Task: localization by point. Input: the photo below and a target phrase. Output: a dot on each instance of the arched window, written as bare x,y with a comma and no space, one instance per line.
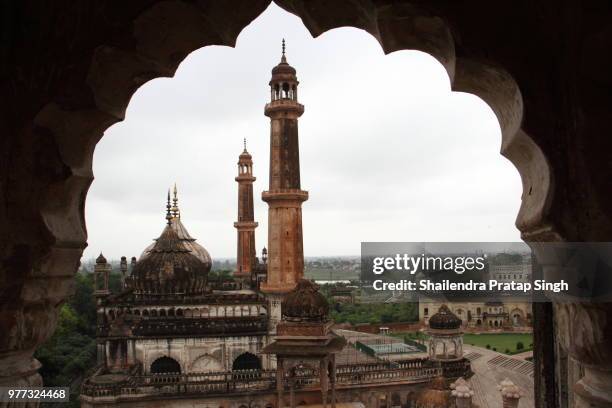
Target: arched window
247,361
165,365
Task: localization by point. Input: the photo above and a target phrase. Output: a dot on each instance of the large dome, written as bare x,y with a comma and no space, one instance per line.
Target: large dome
187,241
173,265
305,304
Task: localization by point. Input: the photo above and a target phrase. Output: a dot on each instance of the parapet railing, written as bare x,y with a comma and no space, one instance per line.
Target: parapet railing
248,381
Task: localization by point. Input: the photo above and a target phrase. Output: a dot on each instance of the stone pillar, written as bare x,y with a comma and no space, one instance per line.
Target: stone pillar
107,354
584,329
280,376
462,393
592,352
130,352
510,393
332,379
323,380
292,390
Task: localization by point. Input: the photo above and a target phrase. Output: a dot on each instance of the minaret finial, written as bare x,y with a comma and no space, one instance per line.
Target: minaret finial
168,209
175,210
244,141
283,58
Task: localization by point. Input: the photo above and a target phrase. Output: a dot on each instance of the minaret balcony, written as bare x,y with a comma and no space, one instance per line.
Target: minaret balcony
287,105
247,225
245,177
293,195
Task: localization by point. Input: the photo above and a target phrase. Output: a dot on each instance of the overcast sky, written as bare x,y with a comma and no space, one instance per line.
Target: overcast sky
387,152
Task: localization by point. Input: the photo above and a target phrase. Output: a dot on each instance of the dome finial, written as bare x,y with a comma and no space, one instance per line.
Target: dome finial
283,58
168,209
244,141
175,209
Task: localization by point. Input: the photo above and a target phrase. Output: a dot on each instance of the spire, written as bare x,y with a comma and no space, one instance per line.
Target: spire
283,58
168,209
175,210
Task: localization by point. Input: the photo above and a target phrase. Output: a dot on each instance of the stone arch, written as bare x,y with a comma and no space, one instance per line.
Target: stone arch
396,400
246,361
161,35
165,365
517,316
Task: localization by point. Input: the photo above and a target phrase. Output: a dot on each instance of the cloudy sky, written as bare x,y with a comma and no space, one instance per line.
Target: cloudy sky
387,152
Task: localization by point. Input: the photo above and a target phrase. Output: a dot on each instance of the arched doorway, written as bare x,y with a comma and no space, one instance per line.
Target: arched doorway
165,365
246,361
517,317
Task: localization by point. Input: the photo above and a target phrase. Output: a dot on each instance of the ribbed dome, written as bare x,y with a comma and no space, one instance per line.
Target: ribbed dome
305,303
187,241
173,264
444,319
283,68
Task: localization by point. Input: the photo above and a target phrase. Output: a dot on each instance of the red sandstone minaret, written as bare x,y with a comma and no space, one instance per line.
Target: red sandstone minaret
284,197
245,259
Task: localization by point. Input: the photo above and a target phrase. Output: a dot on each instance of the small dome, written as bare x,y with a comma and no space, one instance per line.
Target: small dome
283,68
305,304
100,259
444,319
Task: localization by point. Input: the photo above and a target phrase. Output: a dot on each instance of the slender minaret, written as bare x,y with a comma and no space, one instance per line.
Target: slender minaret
245,226
284,197
123,267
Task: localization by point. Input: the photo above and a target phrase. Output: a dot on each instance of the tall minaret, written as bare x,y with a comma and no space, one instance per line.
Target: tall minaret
284,197
245,259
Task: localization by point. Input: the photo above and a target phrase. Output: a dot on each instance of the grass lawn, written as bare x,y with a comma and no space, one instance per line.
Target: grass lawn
500,341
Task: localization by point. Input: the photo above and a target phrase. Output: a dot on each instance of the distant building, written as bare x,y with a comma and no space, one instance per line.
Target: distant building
484,315
508,273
